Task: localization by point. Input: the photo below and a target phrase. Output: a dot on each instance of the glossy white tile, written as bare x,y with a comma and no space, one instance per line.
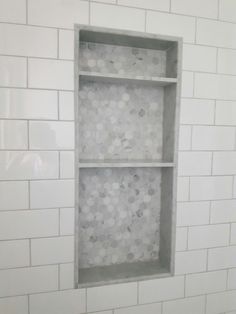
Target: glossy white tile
20,165
51,135
13,71
28,104
14,134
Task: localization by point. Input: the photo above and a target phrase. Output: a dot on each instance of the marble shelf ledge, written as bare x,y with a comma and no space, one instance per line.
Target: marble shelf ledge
124,163
116,78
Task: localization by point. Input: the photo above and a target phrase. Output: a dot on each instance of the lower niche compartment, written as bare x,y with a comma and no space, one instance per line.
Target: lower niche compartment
124,224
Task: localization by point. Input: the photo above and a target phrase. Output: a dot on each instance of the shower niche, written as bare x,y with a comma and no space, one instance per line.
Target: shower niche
127,111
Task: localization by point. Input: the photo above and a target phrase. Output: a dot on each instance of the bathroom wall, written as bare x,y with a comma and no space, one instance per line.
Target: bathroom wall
36,158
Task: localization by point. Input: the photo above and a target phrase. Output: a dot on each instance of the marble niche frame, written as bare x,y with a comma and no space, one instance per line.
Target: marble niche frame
171,84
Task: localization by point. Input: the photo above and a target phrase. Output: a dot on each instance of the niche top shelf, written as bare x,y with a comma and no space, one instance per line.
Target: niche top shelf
123,163
116,78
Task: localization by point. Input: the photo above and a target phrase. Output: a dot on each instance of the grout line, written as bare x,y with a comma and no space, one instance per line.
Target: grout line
89,12
86,300
205,304
210,211
26,13
218,10
28,136
28,303
30,253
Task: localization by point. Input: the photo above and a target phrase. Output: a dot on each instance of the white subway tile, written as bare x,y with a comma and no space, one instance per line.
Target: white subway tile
154,308
225,112
13,11
233,234
14,305
60,302
51,135
67,221
213,138
14,195
66,105
224,163
226,61
162,5
231,284
183,189
28,280
205,283
14,254
197,111
201,237
193,213
28,224
215,86
190,262
108,297
22,40
111,16
14,134
223,211
181,239
67,167
13,71
66,44
185,133
200,8
227,9
52,193
199,58
216,33
66,276
28,104
26,165
171,24
194,163
210,188
188,305
221,258
221,302
52,250
57,13
161,289
187,84
51,74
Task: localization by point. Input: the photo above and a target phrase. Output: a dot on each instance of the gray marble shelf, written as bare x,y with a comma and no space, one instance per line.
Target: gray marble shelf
124,164
116,78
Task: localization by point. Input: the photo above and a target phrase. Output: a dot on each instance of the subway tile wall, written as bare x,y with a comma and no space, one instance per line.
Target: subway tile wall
37,158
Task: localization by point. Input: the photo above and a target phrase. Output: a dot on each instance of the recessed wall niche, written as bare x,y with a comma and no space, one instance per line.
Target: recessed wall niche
127,111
